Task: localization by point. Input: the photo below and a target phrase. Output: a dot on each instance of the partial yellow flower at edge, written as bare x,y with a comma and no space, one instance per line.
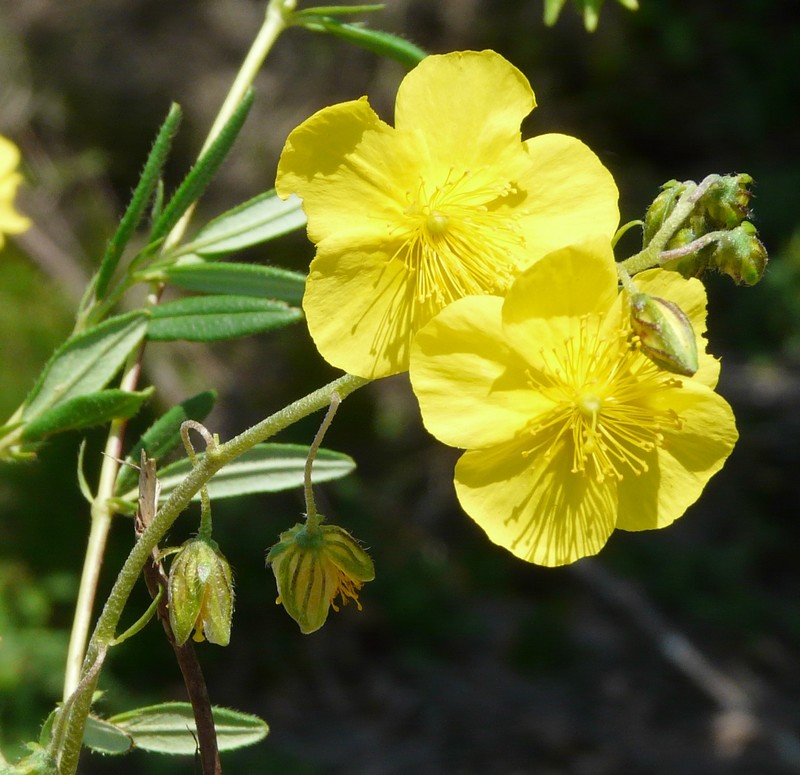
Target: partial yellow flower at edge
450,202
569,430
11,222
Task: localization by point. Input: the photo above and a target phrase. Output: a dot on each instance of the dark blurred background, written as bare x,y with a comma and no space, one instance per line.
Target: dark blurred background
674,651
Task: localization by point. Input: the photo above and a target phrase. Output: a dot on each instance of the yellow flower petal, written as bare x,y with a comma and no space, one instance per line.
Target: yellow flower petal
448,204
569,195
11,222
467,107
535,507
358,305
351,170
686,460
464,344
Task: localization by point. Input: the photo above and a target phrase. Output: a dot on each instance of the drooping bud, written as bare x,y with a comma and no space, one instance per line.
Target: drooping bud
200,593
312,565
727,203
741,255
665,334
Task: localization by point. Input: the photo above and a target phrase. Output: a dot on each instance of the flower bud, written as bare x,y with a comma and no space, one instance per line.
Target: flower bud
665,334
661,208
313,564
200,593
691,265
727,203
741,255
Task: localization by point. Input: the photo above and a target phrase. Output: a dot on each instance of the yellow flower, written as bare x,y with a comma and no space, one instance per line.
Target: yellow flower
570,430
11,222
449,202
313,564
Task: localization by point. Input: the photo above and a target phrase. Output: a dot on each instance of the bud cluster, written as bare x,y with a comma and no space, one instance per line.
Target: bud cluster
723,209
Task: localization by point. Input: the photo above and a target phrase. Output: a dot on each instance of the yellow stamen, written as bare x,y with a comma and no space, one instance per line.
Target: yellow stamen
601,391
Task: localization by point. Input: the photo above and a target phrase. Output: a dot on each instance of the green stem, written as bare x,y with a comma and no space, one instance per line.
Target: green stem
650,256
312,521
275,22
205,502
102,513
67,745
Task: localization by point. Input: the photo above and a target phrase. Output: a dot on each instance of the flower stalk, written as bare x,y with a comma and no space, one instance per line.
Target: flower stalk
67,745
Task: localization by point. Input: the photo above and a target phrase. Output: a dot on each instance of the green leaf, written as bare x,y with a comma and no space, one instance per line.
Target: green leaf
589,8
382,43
339,10
213,318
264,468
260,219
198,178
264,282
552,10
164,435
170,728
104,737
139,201
85,411
85,363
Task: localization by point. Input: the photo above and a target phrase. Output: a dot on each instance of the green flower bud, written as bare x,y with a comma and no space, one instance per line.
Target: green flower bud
660,209
200,593
692,265
313,564
727,203
665,334
741,255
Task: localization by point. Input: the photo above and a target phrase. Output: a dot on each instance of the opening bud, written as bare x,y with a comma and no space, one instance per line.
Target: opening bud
741,255
200,593
665,334
313,564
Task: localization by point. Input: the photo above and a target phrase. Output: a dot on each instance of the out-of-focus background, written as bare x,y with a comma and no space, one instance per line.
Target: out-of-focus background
674,651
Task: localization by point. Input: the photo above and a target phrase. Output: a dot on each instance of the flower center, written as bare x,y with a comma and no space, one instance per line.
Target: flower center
457,239
603,414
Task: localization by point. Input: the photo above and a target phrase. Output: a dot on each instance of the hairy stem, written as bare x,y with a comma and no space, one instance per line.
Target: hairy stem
102,514
67,746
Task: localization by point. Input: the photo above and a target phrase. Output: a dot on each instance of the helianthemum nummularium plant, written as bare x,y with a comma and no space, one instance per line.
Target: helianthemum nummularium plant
450,202
570,430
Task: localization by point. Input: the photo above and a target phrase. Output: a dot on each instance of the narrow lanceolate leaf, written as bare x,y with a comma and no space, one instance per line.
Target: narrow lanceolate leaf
104,737
164,435
264,282
170,728
198,178
85,411
382,43
262,218
213,318
264,468
139,201
85,363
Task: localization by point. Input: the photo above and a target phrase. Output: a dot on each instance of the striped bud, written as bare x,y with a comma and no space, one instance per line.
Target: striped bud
665,334
313,564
